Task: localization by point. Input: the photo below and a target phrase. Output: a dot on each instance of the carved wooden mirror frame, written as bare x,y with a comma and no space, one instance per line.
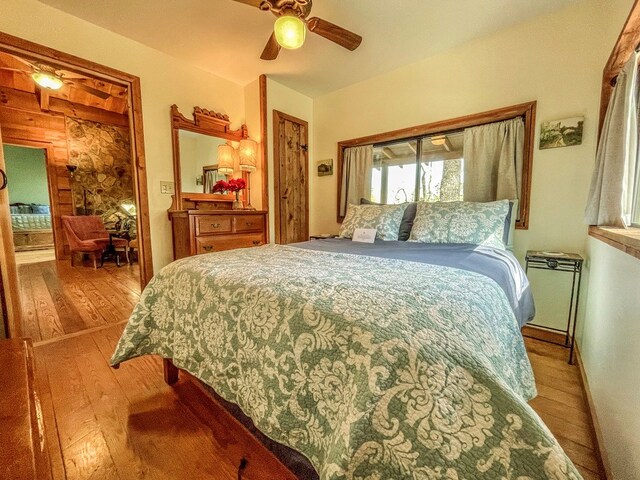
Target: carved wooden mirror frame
205,122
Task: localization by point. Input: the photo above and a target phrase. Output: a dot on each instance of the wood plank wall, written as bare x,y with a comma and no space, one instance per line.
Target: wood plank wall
24,122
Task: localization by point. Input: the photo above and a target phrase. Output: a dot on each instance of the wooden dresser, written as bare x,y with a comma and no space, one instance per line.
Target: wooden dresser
207,231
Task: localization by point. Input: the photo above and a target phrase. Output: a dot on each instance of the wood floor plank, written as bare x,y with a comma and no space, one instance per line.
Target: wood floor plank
65,306
31,327
74,415
48,319
49,419
59,299
111,409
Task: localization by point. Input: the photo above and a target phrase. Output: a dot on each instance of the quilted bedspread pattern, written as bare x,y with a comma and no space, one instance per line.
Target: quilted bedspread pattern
30,221
373,368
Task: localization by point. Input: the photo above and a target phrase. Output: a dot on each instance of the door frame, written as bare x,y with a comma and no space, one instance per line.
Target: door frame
53,186
9,287
36,52
277,117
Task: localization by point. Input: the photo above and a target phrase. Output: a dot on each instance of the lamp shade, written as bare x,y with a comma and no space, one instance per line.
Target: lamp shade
226,157
248,152
290,31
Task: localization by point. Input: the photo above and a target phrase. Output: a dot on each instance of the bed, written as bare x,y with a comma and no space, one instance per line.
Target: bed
385,361
31,226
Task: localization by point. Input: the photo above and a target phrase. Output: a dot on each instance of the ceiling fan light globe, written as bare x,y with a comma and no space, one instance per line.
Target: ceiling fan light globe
47,80
290,32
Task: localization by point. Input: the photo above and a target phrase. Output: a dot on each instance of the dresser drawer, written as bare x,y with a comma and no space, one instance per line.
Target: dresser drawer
249,223
213,224
218,243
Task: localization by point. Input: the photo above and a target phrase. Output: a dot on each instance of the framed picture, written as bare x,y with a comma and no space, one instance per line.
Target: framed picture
325,167
561,133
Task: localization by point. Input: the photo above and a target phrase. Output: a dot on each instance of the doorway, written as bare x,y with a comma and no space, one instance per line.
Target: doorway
291,179
96,115
29,203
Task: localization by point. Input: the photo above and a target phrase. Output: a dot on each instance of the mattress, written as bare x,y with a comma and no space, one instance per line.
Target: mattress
30,221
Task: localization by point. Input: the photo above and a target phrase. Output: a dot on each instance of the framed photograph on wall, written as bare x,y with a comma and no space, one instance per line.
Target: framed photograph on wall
325,167
561,133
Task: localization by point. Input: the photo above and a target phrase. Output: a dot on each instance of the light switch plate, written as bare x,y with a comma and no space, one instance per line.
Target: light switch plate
167,187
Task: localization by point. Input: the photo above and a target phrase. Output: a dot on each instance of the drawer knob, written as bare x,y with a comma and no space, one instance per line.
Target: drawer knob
256,242
249,224
215,225
208,248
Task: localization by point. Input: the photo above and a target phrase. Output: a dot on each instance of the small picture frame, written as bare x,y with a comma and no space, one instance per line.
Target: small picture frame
325,167
561,133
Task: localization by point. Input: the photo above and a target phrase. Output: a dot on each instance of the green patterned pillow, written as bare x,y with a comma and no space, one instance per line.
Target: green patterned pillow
385,218
461,222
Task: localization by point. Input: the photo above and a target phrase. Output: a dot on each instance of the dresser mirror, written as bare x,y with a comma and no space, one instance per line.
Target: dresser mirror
195,157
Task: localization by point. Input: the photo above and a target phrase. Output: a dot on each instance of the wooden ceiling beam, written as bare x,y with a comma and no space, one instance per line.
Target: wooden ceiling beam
43,99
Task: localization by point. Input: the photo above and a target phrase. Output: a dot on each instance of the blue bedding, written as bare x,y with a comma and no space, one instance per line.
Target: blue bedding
499,265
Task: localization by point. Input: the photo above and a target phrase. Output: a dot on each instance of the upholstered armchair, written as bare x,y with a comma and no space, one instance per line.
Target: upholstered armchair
87,234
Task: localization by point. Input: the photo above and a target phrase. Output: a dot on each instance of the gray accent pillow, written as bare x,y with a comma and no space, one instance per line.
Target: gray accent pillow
14,209
41,209
385,219
461,222
407,219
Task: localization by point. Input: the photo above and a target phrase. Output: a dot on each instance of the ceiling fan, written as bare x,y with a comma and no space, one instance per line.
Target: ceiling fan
50,78
291,26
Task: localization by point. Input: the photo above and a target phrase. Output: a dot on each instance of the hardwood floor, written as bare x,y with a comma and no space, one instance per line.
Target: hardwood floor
128,424
562,406
35,256
58,299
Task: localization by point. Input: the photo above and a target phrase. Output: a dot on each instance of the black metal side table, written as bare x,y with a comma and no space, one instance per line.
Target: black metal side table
561,262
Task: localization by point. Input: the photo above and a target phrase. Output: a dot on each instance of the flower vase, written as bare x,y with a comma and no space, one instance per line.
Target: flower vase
237,204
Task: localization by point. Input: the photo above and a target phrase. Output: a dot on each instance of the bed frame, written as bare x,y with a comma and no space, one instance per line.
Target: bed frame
25,240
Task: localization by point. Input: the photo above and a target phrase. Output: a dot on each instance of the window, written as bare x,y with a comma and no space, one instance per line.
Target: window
428,169
426,162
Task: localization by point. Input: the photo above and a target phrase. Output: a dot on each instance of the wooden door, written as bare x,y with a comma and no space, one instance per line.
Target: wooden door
9,291
291,179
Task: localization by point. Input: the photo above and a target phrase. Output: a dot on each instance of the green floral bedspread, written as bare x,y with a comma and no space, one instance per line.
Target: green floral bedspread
374,368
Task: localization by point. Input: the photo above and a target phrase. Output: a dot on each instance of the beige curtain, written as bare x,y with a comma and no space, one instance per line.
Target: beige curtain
610,196
493,157
356,176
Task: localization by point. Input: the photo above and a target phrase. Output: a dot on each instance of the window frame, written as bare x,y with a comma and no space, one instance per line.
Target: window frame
525,110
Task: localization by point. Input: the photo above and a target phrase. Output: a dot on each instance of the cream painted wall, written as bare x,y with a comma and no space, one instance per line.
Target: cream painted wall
610,350
555,59
252,114
164,80
288,101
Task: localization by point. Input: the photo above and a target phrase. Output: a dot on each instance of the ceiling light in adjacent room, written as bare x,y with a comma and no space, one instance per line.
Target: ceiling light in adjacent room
290,31
47,80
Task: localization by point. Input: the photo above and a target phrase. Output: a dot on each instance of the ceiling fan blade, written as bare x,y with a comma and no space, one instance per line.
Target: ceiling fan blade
253,3
336,34
272,49
90,90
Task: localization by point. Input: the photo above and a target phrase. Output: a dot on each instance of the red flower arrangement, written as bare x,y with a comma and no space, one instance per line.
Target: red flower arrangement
233,185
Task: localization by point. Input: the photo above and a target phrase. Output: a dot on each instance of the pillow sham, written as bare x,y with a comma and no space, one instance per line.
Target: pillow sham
40,209
407,219
385,219
461,222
